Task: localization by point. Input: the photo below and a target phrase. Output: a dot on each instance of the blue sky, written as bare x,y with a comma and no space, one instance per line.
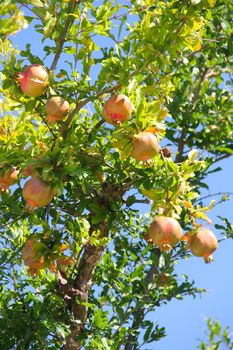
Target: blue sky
185,320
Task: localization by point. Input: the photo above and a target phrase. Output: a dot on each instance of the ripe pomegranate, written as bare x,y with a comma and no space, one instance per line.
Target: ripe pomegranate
33,81
9,178
37,193
117,109
203,244
145,146
165,232
33,255
56,108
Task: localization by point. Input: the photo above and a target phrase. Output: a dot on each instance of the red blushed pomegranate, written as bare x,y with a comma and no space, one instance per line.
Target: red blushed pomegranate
117,109
56,108
33,81
145,146
165,232
10,177
203,244
37,193
33,255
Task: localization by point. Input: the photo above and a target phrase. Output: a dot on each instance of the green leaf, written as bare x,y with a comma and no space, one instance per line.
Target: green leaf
192,155
212,2
100,319
49,27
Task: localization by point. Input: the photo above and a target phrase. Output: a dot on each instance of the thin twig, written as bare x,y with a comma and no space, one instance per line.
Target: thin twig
31,10
224,156
215,194
51,130
62,40
182,139
96,127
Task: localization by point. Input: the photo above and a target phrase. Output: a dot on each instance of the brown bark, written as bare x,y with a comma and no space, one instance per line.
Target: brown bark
139,314
79,292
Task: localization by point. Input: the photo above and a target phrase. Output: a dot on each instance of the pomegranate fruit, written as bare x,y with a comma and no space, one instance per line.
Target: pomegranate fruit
117,109
37,193
203,244
33,81
56,108
165,232
145,146
33,255
10,177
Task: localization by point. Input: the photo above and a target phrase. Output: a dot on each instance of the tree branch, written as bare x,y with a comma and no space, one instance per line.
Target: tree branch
61,42
215,194
181,145
83,281
182,139
91,256
224,156
196,95
139,314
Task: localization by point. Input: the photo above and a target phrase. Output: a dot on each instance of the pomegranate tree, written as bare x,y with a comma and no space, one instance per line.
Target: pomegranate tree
145,146
203,244
165,232
37,193
117,109
33,81
56,108
10,177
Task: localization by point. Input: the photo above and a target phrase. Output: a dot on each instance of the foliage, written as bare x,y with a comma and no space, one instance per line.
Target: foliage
217,337
100,278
